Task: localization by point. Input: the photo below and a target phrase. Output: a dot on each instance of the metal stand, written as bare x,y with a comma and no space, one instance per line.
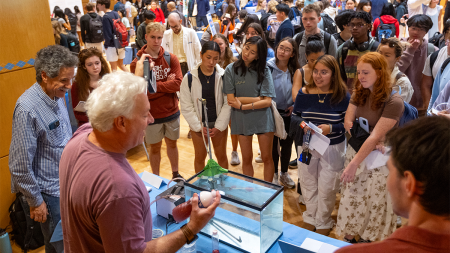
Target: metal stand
203,101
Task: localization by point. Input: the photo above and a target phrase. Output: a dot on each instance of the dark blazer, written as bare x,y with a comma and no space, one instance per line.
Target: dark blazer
286,29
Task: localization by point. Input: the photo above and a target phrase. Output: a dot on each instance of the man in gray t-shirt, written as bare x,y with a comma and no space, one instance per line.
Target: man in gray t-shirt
311,18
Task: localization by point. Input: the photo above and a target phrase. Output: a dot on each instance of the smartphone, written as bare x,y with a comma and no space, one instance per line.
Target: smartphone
364,124
146,70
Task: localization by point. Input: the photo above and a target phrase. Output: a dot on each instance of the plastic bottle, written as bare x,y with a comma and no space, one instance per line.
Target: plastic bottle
183,211
215,241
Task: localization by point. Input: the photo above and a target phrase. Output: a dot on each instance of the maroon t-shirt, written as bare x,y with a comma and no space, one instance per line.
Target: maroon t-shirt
405,239
105,206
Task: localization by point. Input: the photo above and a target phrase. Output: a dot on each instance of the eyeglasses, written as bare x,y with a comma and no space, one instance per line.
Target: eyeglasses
387,42
320,73
359,25
285,49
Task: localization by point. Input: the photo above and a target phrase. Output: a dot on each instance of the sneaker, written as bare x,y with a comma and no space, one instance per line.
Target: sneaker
301,200
189,136
275,179
235,158
293,164
286,180
258,159
176,174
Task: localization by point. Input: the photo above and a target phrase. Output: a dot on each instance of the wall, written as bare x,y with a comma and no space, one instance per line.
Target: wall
21,37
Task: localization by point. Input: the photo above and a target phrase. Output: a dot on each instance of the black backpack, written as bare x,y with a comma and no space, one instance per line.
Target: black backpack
95,29
326,40
26,232
437,40
74,44
329,25
73,20
264,18
385,31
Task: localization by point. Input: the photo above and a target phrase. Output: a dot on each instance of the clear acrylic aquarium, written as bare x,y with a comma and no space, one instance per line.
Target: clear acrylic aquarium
250,214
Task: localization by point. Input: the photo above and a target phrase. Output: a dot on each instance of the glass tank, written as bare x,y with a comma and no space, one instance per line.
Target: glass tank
250,214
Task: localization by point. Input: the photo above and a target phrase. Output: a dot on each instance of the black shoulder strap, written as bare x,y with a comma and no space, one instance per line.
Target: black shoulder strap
345,50
299,38
433,59
302,71
167,57
271,69
326,40
189,80
444,65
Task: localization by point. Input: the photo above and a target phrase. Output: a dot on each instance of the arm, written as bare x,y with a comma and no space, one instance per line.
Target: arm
406,58
425,87
67,26
350,117
107,29
416,3
339,56
197,47
263,103
435,90
440,20
187,106
249,100
162,16
224,116
140,38
297,84
83,31
407,88
21,156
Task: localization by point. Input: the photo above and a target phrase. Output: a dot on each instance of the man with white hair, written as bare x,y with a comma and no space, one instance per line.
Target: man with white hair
40,131
182,42
105,206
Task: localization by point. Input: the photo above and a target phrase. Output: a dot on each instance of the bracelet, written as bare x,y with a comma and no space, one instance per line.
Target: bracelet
331,128
241,107
190,236
253,108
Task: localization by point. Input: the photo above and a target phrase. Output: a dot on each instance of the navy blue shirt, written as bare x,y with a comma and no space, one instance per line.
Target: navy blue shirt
286,29
108,28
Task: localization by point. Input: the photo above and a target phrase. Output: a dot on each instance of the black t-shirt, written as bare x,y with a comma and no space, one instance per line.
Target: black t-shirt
208,93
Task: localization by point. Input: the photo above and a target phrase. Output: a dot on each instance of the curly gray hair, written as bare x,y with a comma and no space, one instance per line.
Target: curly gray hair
51,59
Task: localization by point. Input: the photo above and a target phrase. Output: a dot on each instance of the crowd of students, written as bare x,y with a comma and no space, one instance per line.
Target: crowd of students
287,72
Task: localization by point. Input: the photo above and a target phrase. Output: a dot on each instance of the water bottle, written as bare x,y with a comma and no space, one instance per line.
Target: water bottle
215,241
5,245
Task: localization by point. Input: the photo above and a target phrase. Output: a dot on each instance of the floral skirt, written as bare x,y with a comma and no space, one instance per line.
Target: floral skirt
365,208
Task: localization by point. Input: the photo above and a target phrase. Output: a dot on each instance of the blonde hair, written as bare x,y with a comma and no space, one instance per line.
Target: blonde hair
312,8
272,6
58,30
259,5
155,26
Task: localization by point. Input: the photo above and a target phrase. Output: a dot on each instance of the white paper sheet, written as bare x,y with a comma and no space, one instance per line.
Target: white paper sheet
376,159
80,107
311,245
327,248
152,179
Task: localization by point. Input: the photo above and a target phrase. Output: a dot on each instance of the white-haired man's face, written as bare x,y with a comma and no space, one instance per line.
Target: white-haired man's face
135,127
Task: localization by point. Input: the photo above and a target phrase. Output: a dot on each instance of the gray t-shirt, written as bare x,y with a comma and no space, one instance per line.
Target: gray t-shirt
332,48
249,122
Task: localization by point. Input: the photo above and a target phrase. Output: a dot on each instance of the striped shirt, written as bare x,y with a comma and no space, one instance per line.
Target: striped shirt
41,128
311,110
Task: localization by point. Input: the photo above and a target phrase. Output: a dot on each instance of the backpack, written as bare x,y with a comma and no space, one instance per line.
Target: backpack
26,232
134,11
263,19
73,20
326,40
329,25
272,26
120,34
410,112
96,29
166,56
437,40
218,9
297,20
74,44
385,31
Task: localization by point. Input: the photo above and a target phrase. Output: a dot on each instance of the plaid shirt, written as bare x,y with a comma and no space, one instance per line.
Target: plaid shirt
40,131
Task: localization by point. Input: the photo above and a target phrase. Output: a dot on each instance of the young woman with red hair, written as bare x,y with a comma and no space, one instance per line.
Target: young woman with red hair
365,208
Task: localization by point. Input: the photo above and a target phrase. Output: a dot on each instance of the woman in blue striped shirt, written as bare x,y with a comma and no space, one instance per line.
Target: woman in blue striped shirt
323,103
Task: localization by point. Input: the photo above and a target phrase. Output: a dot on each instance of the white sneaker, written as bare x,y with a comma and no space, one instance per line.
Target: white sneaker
286,180
258,159
275,179
235,158
301,200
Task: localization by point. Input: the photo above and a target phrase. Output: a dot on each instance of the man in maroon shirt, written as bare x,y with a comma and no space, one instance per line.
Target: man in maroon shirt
419,184
105,206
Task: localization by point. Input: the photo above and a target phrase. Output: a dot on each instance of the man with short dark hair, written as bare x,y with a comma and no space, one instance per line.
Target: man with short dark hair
149,17
286,28
311,18
419,186
88,36
413,58
342,20
113,56
351,50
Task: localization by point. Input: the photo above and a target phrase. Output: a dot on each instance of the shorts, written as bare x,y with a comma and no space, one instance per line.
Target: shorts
111,54
156,132
98,45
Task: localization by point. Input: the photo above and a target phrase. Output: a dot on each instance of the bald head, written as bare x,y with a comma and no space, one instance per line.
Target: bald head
174,21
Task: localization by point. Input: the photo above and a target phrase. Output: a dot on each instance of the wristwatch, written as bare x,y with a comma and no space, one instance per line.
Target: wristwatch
190,236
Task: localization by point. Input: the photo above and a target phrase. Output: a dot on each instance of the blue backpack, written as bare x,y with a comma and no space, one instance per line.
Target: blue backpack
385,31
218,9
410,112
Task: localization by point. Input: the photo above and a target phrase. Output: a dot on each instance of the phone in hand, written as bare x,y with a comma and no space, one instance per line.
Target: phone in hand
364,124
146,70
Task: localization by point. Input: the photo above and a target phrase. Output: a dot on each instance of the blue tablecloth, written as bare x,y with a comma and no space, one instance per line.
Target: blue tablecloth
291,234
128,55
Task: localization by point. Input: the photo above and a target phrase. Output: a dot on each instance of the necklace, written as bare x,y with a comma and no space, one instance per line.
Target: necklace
322,100
207,78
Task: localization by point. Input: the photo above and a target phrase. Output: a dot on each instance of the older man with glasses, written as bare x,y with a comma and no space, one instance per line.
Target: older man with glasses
40,131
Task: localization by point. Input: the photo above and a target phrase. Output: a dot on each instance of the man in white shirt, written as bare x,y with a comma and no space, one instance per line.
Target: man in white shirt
415,7
182,42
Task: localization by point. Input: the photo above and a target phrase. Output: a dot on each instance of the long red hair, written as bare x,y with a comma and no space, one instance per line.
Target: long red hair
382,86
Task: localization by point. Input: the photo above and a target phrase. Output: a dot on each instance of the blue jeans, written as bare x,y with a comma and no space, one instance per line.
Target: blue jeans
53,218
202,20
